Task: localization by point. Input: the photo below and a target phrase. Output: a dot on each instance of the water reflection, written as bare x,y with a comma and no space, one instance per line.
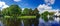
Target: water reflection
49,23
22,23
1,24
41,23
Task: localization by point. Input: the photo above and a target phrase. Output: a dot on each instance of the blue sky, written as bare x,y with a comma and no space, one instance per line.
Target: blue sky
31,3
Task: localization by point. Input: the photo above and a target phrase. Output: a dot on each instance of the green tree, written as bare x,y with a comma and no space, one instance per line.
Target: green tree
44,15
36,20
26,11
0,14
30,12
0,11
35,12
5,11
13,10
51,14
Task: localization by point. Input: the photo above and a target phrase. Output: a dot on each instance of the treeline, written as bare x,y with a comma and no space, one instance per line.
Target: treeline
30,12
15,10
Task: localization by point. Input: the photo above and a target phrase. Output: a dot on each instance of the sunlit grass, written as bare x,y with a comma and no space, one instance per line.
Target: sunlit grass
22,17
6,16
28,17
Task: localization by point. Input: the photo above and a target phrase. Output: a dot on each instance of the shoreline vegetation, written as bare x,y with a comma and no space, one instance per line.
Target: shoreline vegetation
13,15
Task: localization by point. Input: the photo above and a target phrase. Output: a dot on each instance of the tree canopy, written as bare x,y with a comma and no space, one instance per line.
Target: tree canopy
13,10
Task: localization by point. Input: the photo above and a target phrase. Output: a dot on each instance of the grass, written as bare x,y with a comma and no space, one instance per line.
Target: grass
22,17
27,17
6,16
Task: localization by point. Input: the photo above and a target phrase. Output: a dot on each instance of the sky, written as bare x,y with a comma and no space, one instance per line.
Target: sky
55,4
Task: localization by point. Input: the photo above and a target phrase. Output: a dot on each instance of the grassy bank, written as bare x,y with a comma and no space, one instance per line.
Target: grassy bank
22,17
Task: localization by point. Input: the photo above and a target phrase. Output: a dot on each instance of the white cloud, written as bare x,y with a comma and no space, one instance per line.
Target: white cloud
49,2
17,0
46,1
22,9
3,5
43,8
52,1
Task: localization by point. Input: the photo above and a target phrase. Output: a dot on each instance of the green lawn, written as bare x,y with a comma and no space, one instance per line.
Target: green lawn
6,16
28,17
22,17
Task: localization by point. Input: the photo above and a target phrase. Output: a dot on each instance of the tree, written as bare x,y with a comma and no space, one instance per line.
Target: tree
44,15
51,14
0,14
35,12
36,20
30,12
13,10
5,11
26,11
0,11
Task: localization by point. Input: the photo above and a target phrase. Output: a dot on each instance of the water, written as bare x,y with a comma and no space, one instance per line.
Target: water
49,23
41,23
22,23
1,24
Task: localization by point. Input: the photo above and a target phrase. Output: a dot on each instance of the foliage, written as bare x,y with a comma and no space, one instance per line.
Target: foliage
10,15
13,15
0,11
5,11
13,10
30,12
51,15
35,12
26,11
45,14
